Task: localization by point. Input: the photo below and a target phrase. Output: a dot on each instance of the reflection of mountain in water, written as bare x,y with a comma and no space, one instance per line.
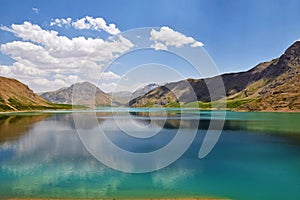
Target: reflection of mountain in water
262,122
67,119
13,126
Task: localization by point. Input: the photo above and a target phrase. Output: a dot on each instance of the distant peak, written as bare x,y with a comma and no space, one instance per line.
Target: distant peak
83,84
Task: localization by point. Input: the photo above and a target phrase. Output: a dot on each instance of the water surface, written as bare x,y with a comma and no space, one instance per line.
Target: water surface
256,157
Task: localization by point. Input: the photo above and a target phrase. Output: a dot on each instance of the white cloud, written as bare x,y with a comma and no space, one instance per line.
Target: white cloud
41,83
87,23
43,54
108,87
61,46
169,37
81,24
159,46
20,69
108,81
61,22
110,76
69,79
197,44
95,24
46,60
5,70
36,10
28,52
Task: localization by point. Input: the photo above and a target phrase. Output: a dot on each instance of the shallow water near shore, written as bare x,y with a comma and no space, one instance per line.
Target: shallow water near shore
256,157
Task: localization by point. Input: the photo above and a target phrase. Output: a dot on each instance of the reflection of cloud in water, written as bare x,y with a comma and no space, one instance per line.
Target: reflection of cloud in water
101,146
48,157
168,177
97,144
43,145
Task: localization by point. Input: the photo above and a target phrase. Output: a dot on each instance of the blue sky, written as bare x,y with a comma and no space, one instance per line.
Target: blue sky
236,34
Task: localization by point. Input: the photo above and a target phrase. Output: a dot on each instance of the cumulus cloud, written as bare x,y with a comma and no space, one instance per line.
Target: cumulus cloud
20,69
5,70
44,54
168,37
28,53
159,46
197,44
95,24
108,87
41,83
87,23
108,81
68,79
46,60
110,76
61,22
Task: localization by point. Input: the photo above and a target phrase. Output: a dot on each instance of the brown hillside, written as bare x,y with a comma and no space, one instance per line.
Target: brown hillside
269,86
14,96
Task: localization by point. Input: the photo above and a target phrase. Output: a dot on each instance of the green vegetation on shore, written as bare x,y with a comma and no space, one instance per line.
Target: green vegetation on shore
19,106
15,96
230,104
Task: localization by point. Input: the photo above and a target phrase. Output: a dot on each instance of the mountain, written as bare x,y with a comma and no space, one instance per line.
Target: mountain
122,98
15,96
144,90
272,86
86,94
121,94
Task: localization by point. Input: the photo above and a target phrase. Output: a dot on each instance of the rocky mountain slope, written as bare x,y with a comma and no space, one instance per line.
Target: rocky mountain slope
144,90
86,94
123,97
271,86
15,96
281,90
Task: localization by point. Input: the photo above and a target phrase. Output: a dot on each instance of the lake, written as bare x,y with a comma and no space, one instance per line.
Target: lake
43,155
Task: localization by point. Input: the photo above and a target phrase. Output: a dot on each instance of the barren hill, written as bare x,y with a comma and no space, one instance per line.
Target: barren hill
271,86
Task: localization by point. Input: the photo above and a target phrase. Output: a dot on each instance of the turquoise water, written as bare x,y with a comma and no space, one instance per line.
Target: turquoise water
256,157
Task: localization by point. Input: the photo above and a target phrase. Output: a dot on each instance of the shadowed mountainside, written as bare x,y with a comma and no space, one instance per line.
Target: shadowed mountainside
271,86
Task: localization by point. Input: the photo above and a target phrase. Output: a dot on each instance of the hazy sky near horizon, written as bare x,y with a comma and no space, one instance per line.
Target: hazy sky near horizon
44,43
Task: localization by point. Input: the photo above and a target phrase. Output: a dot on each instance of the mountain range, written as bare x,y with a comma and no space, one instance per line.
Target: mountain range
122,98
88,94
270,86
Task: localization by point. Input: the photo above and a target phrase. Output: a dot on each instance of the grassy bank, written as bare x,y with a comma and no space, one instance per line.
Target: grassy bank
21,107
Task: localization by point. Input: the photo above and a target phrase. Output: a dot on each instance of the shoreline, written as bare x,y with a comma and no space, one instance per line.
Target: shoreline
71,110
179,198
